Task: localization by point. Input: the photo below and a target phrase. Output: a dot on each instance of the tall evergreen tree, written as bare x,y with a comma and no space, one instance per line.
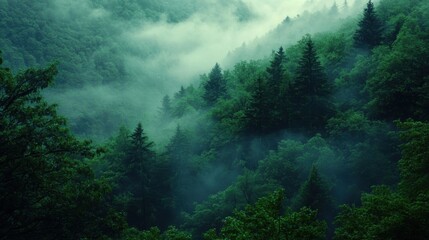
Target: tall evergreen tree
257,119
179,153
138,166
215,87
368,34
166,109
178,149
315,194
334,9
277,89
276,72
311,104
181,93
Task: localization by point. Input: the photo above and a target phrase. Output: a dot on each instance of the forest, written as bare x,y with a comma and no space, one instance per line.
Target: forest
318,129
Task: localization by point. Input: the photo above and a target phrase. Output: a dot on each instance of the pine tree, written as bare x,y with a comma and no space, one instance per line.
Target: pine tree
139,163
368,34
277,89
140,149
166,109
181,93
178,153
334,9
276,72
178,149
315,194
311,105
257,119
215,87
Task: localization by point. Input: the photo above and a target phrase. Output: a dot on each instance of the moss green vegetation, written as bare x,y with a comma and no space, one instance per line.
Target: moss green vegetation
326,139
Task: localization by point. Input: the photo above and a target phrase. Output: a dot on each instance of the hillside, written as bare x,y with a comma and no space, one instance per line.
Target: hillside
324,137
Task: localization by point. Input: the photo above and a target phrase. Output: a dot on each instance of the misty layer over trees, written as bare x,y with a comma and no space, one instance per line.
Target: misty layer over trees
317,127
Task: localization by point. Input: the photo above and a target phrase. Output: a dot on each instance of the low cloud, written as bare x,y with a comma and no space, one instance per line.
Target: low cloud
162,55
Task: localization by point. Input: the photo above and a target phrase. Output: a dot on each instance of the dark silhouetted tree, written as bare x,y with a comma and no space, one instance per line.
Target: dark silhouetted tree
178,152
278,91
276,72
166,110
48,190
181,93
215,87
256,117
179,149
368,34
311,99
137,166
315,194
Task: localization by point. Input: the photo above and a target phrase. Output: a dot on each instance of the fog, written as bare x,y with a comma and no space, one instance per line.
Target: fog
160,55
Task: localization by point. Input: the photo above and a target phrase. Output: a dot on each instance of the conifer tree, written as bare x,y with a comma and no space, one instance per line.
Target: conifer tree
181,93
48,190
276,72
166,109
257,119
178,149
139,162
334,9
311,105
368,34
278,91
215,87
315,194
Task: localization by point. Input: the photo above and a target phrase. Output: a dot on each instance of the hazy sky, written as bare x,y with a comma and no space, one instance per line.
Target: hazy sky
193,46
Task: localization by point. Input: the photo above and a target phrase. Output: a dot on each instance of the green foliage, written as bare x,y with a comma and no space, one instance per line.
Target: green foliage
311,92
277,93
262,115
142,181
215,87
399,86
248,188
315,194
334,50
172,233
257,119
276,73
49,190
166,111
368,34
384,215
414,164
264,220
290,165
187,101
282,165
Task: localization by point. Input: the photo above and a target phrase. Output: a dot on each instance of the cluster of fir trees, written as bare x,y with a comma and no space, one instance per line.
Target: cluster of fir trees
53,193
49,192
348,106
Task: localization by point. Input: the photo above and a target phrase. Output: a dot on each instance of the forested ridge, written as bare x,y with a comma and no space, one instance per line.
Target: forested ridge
326,138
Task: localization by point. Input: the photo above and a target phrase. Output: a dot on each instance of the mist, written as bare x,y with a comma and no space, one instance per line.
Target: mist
211,119
159,55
